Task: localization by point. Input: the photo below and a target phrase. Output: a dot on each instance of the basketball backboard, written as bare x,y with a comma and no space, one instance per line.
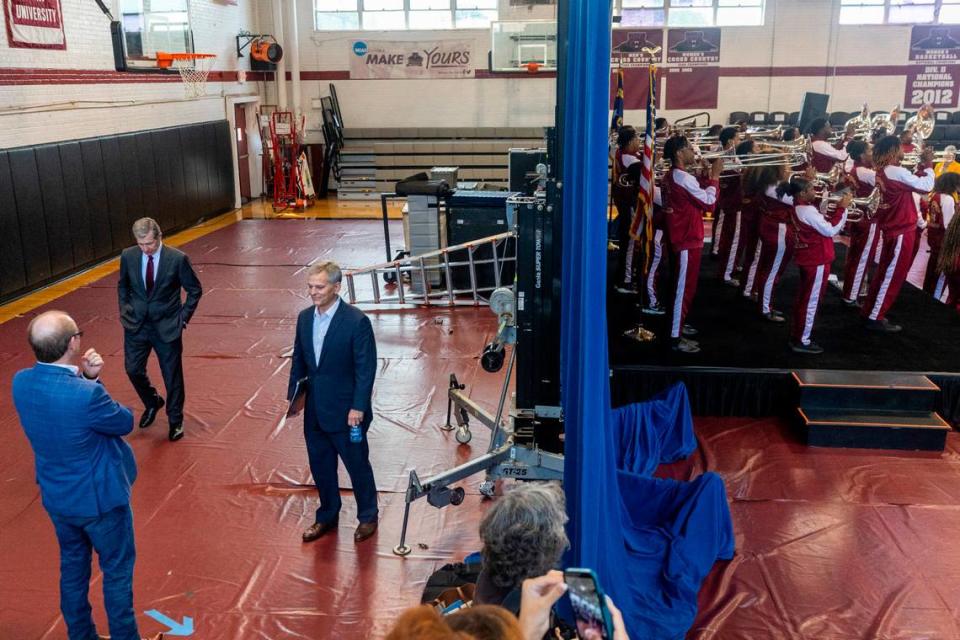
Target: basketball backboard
516,44
150,26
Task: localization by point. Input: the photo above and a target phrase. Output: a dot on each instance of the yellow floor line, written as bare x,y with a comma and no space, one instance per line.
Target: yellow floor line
329,208
48,294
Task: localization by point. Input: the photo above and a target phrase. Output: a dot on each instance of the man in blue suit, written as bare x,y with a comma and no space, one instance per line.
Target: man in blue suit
335,360
84,469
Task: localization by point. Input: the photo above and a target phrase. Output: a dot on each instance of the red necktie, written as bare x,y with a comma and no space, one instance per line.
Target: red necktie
149,274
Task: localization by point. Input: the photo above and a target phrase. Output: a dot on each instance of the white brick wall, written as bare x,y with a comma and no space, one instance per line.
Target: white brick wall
85,110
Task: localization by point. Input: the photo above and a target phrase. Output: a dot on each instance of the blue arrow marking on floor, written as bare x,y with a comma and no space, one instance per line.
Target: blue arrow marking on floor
184,628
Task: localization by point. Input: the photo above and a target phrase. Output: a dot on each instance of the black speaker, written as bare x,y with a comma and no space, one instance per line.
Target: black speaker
814,106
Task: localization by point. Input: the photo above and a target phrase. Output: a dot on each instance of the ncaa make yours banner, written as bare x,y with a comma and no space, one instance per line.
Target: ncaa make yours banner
379,60
34,24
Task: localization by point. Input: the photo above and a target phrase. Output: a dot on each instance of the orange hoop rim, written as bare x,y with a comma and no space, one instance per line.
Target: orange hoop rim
533,67
165,60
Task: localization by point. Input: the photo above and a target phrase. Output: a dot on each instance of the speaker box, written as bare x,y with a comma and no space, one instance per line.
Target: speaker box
814,106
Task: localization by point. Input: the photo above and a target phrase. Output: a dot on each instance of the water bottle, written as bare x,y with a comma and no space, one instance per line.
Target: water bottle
355,434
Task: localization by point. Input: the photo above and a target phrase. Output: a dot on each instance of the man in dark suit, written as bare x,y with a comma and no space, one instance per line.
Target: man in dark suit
153,317
84,469
335,359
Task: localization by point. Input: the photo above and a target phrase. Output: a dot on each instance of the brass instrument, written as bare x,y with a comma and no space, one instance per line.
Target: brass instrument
859,209
826,181
885,121
860,123
921,125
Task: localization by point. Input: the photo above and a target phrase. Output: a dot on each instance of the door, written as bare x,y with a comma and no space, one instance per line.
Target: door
243,157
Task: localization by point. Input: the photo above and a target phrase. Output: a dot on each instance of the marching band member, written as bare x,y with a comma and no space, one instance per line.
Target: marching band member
826,155
731,204
864,234
949,263
897,217
949,164
625,199
940,207
756,181
657,243
814,255
729,139
684,205
776,245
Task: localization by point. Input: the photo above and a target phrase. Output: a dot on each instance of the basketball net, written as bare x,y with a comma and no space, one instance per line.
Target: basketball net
194,72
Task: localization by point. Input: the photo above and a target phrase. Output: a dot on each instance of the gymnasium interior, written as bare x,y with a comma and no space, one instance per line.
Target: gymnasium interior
454,158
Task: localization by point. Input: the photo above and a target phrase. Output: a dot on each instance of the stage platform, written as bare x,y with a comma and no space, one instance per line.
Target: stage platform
743,368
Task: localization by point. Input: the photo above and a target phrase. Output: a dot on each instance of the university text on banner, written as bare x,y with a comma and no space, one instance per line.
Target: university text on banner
34,24
382,59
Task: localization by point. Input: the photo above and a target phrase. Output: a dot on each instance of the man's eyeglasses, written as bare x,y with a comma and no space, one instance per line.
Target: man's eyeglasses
78,334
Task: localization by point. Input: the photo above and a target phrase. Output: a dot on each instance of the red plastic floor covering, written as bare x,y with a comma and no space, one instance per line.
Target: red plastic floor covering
831,544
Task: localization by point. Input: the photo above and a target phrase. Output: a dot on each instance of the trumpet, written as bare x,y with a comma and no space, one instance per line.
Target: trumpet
859,209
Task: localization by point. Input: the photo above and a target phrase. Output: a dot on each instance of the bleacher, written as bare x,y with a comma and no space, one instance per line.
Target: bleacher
371,161
947,130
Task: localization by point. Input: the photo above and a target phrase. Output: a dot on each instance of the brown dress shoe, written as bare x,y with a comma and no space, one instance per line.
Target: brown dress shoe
364,531
319,529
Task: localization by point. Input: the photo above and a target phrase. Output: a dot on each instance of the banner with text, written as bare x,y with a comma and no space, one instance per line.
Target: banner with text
693,47
933,84
379,60
636,47
34,24
935,44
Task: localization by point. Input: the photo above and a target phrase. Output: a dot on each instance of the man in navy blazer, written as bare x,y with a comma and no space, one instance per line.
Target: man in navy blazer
153,316
335,357
84,469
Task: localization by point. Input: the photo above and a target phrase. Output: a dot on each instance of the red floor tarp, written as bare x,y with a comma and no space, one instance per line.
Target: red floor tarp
830,544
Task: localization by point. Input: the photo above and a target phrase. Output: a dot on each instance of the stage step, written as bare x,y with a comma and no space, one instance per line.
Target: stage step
909,430
870,409
875,390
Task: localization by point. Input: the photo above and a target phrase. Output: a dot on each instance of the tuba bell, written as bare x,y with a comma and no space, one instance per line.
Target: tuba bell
885,121
921,124
860,123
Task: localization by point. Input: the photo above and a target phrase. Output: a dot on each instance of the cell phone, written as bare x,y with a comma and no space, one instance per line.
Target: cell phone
589,605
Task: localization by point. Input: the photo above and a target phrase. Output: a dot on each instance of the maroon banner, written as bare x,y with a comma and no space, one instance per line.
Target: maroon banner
933,84
634,47
34,24
636,85
936,43
692,87
693,47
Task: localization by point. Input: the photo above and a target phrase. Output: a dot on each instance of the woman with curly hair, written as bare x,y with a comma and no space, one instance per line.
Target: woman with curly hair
523,536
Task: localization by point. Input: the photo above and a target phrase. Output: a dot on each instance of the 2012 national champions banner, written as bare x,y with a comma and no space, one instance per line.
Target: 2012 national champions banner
933,75
34,24
384,59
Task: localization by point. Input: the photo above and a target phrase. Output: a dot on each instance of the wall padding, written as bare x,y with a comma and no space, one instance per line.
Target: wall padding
68,205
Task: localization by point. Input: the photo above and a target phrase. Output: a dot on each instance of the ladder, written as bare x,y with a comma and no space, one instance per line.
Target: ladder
408,280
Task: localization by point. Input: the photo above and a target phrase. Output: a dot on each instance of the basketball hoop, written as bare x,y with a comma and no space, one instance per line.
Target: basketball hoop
193,67
533,67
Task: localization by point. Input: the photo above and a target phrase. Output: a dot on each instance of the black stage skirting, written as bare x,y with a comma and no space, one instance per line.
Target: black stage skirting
743,368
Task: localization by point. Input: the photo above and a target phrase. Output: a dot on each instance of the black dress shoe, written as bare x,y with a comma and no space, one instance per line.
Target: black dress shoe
176,431
150,413
364,531
687,331
319,529
775,316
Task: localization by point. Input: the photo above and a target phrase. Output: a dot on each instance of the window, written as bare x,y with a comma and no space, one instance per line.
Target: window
391,15
690,13
899,11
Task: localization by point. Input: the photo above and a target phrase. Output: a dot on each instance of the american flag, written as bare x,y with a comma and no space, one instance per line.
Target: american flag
644,214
